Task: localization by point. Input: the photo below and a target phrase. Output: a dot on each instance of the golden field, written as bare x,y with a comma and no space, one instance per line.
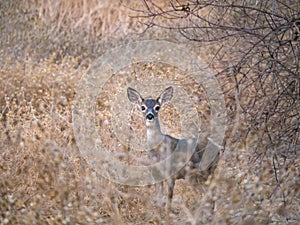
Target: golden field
46,48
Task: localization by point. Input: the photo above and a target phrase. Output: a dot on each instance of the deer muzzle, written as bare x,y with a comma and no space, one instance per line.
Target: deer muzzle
150,116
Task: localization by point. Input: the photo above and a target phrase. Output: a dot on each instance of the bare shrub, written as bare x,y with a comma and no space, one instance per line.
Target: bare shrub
256,46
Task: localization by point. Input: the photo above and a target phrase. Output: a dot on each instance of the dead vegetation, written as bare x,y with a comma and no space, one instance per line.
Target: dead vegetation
46,47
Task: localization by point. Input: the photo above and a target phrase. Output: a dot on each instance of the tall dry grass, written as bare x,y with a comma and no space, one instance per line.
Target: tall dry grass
46,47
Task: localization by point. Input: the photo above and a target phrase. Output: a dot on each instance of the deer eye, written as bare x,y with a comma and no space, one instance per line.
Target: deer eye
157,107
143,108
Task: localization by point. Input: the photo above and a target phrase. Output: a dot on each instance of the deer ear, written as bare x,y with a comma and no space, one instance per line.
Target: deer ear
134,96
165,96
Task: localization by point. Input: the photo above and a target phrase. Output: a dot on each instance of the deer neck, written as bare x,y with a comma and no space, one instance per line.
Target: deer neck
154,134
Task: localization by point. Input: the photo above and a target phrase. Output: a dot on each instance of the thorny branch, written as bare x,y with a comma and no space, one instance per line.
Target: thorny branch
257,47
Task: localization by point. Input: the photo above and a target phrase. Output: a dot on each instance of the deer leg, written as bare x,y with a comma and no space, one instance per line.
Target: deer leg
159,194
171,184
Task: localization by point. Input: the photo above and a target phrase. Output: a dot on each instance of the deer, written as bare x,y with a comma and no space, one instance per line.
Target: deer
162,145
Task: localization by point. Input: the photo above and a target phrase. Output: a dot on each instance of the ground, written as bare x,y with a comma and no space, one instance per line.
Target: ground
44,177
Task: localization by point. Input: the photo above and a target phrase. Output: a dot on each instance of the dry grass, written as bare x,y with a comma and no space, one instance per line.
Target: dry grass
46,48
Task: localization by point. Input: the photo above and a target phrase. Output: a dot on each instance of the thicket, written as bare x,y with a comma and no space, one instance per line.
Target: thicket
252,46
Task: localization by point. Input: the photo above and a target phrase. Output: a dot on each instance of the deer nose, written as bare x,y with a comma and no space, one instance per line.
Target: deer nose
150,116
